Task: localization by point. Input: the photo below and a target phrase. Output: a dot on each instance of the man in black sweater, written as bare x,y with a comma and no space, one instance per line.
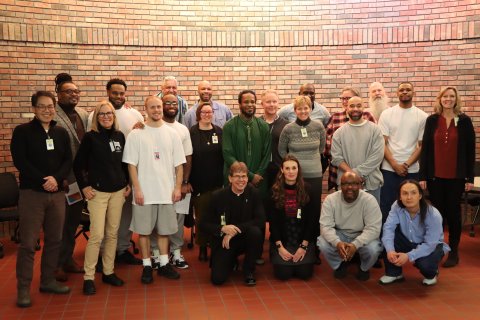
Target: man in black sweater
41,152
233,221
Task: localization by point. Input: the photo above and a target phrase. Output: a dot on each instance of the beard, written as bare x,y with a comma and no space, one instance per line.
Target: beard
378,105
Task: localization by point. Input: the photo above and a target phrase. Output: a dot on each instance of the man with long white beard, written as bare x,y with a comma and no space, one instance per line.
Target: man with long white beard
378,100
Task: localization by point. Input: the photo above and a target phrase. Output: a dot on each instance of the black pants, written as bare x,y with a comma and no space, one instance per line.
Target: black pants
73,214
284,272
446,195
249,242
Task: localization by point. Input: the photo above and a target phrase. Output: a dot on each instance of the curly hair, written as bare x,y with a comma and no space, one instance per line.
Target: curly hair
278,188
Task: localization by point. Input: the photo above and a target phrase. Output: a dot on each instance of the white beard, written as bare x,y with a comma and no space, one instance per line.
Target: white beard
377,106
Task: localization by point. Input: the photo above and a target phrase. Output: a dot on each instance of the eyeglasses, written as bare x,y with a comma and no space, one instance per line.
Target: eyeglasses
71,91
351,184
345,98
236,176
47,107
169,103
206,112
105,114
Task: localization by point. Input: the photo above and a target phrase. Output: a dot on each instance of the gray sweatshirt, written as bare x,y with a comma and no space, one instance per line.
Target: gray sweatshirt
361,147
361,219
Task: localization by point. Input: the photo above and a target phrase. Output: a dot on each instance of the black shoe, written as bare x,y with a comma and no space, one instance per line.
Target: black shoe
452,260
147,276
259,262
54,287
112,279
363,275
89,287
168,272
341,271
203,254
250,280
23,298
128,258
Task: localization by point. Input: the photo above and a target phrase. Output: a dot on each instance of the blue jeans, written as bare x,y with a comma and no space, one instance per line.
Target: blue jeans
389,191
368,254
428,265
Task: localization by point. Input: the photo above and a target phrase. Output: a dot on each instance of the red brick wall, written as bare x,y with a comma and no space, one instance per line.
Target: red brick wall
236,45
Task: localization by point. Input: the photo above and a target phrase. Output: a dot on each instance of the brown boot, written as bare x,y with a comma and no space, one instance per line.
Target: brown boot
23,298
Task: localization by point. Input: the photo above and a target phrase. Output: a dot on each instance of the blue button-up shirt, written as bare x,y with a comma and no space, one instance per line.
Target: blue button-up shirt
426,235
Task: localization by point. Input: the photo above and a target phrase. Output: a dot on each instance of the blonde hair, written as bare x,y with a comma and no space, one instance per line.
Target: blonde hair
95,124
437,105
268,91
300,101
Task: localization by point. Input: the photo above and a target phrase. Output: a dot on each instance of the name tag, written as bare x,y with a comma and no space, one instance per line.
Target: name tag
299,213
223,222
117,146
304,132
49,143
214,139
156,155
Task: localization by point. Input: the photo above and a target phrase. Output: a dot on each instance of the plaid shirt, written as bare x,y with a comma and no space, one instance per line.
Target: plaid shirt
336,121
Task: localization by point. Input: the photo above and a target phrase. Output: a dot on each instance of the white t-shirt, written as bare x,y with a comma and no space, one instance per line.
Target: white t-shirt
126,119
404,128
182,206
155,153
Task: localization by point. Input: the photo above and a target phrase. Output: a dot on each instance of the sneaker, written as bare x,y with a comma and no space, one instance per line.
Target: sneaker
363,275
429,282
179,263
341,271
384,280
250,280
168,272
259,262
147,276
155,265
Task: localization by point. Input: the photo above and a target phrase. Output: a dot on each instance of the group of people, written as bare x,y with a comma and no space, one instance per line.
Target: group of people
145,175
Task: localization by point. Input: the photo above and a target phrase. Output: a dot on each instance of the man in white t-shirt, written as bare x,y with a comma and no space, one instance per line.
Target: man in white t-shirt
156,171
126,117
402,127
170,110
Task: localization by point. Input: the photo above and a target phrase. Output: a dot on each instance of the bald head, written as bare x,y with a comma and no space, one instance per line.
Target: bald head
205,91
350,184
308,89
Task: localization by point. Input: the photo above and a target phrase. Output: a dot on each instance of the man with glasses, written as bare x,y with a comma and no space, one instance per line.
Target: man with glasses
221,113
74,120
351,221
319,112
41,153
233,220
335,122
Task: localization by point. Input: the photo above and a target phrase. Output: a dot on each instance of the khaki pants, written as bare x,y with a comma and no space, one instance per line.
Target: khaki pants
105,213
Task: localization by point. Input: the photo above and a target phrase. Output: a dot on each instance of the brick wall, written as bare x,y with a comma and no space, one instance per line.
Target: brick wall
236,45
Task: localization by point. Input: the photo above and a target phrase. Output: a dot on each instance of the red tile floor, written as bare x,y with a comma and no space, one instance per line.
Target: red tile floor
456,295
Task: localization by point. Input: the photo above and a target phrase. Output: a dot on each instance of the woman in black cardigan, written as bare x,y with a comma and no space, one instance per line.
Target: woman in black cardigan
447,161
292,222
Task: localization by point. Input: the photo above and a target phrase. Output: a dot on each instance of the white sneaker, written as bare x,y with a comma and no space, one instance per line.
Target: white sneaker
389,280
430,282
179,263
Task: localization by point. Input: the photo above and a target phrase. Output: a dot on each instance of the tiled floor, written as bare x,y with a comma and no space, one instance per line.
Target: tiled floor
456,295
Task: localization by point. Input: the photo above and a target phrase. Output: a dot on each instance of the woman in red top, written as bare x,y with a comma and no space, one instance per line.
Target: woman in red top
447,161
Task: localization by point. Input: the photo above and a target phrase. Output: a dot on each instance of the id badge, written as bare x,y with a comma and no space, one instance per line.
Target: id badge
299,213
214,139
112,147
304,132
117,146
49,143
223,222
156,154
